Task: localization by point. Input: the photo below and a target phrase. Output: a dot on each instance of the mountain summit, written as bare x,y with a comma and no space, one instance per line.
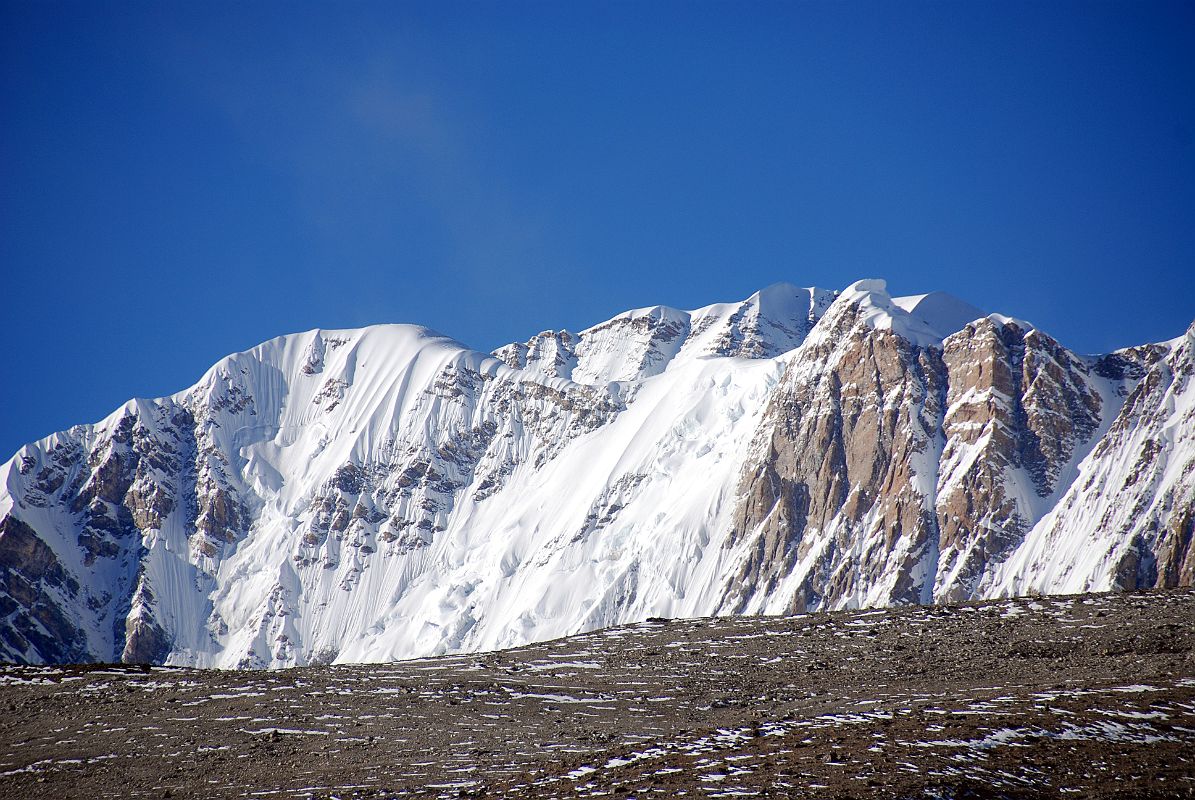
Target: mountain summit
373,494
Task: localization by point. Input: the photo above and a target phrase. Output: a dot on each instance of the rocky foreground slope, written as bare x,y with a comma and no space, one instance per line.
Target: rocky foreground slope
366,495
1033,698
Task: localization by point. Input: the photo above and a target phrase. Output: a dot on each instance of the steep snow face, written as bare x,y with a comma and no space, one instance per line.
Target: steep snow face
619,527
372,494
375,494
185,518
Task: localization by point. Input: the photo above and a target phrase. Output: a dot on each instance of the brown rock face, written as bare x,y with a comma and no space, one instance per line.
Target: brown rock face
1019,406
551,352
892,472
1175,555
144,640
34,590
1136,498
221,518
109,490
837,497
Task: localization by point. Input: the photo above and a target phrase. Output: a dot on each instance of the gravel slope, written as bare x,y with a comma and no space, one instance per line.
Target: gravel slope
1090,695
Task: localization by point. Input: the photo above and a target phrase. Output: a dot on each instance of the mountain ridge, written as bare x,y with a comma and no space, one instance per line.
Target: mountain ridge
386,492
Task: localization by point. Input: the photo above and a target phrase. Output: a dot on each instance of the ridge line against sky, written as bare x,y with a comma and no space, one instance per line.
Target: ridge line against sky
178,183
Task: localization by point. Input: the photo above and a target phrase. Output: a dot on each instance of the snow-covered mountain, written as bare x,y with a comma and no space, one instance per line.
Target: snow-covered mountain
365,495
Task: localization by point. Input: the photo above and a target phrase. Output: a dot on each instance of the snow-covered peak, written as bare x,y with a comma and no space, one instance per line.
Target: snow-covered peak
547,354
868,302
633,345
942,312
923,319
772,321
652,315
1004,319
643,342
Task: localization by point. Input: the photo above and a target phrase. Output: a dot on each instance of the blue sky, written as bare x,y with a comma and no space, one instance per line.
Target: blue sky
182,180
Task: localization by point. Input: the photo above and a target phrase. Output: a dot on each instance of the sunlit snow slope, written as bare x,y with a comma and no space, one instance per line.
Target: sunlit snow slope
365,495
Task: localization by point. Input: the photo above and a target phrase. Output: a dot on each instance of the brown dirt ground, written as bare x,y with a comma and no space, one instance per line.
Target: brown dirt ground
1089,696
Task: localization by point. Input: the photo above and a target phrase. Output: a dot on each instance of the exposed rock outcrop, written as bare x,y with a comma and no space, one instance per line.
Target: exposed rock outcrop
1020,407
839,509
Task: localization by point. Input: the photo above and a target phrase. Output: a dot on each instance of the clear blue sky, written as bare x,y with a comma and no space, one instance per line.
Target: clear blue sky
183,180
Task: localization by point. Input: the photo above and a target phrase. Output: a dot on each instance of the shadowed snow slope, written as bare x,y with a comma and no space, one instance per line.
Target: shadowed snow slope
366,495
